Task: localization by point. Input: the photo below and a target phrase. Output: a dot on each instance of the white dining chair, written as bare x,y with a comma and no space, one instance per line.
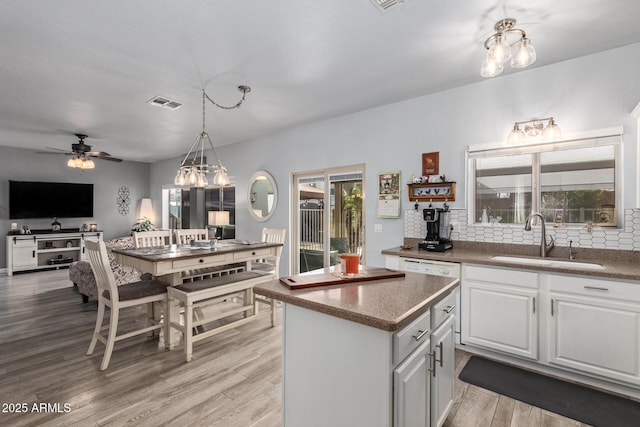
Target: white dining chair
270,266
119,297
186,235
145,239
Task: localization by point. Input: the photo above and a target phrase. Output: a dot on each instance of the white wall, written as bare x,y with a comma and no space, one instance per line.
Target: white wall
592,92
107,178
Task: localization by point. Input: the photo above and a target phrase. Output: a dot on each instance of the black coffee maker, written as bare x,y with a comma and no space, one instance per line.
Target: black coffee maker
438,229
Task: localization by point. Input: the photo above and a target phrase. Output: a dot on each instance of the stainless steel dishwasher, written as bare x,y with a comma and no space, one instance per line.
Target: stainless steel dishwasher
436,268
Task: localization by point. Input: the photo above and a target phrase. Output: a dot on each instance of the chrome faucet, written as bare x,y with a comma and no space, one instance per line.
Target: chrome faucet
544,248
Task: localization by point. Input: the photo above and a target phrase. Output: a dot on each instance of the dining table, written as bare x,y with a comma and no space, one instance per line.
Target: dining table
168,263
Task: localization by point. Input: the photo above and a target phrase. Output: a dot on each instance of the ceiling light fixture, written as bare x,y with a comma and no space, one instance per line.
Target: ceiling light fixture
81,161
499,49
194,168
534,130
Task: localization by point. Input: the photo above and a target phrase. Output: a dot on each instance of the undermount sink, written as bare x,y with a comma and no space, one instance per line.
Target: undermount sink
548,262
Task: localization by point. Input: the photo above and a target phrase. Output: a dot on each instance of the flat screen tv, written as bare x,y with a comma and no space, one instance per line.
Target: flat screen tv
50,199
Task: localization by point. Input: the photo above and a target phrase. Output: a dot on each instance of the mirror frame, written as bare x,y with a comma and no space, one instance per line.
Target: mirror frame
272,181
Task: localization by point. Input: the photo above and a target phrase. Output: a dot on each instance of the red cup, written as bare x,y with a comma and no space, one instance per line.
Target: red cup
349,263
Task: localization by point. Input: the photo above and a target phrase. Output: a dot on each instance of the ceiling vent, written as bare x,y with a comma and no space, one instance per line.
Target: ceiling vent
387,4
161,101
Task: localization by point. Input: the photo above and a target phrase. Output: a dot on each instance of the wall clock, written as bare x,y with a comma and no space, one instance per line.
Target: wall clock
123,200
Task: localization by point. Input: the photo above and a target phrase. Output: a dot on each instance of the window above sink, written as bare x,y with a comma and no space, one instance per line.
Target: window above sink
570,182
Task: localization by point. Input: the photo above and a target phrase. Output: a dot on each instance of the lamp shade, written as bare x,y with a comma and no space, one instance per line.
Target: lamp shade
218,218
146,209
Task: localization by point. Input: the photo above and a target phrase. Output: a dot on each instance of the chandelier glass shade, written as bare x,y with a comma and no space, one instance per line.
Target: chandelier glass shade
534,130
499,49
194,168
81,161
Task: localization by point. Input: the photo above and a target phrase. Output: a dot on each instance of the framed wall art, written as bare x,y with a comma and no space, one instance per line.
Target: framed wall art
431,163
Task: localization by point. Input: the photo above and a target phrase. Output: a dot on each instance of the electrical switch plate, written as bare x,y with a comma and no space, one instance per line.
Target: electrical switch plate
377,228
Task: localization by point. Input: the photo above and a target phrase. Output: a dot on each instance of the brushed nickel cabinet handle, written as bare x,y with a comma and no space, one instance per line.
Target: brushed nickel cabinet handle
596,288
534,305
432,363
552,307
449,309
440,346
420,334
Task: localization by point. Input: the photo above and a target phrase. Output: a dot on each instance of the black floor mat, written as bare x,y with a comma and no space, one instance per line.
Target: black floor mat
570,400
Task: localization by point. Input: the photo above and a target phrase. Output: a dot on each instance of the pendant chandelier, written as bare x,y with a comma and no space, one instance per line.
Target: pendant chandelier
194,168
499,47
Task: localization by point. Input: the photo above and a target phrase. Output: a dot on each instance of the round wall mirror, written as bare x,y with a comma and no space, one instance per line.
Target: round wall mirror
262,196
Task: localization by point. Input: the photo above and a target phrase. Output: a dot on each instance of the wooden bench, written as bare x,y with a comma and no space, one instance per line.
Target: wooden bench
195,295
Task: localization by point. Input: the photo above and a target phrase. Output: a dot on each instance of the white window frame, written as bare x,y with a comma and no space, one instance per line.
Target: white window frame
594,138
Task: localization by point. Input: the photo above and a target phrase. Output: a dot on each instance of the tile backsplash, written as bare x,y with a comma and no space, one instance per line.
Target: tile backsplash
627,238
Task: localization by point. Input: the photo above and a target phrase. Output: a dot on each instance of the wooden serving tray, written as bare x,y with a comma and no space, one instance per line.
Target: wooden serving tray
324,279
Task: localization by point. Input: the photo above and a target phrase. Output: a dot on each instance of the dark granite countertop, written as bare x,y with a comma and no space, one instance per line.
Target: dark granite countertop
616,264
387,304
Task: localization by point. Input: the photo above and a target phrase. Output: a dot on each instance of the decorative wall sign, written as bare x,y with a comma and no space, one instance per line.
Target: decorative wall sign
389,195
430,163
123,201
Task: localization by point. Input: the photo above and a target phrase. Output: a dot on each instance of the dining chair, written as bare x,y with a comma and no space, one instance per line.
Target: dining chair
186,235
119,297
271,265
145,239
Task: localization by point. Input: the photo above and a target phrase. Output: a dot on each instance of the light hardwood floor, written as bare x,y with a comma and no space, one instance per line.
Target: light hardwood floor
234,378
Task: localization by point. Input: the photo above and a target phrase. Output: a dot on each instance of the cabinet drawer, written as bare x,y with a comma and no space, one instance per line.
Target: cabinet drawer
203,261
442,310
600,288
404,341
241,256
504,276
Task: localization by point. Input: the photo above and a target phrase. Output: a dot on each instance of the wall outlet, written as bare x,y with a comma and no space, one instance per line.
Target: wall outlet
377,228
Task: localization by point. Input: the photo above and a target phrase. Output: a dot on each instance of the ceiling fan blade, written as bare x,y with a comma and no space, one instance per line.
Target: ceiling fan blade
58,149
113,159
98,154
56,153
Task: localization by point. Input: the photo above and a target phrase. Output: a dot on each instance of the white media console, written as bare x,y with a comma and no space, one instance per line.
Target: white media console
42,250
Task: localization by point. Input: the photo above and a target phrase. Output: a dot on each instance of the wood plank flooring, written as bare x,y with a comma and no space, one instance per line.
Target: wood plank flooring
233,380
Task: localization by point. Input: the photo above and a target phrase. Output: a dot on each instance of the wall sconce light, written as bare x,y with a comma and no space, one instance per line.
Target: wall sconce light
534,130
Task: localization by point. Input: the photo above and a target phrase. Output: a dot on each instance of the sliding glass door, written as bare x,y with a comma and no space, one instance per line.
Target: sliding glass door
328,213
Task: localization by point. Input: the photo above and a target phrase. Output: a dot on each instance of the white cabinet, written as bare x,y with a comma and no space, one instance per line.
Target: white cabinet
424,382
442,372
500,310
22,253
37,251
412,389
341,373
594,326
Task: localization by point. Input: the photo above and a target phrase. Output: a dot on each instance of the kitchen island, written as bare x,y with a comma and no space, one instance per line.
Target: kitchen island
373,353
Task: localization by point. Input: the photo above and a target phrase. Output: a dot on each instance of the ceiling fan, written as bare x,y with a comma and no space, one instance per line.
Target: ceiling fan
82,154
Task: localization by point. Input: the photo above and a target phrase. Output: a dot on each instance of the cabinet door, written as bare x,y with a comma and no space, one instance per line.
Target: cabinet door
443,378
500,317
24,253
411,389
598,336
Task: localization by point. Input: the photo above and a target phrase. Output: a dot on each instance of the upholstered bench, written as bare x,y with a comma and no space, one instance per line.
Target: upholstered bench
195,295
81,275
